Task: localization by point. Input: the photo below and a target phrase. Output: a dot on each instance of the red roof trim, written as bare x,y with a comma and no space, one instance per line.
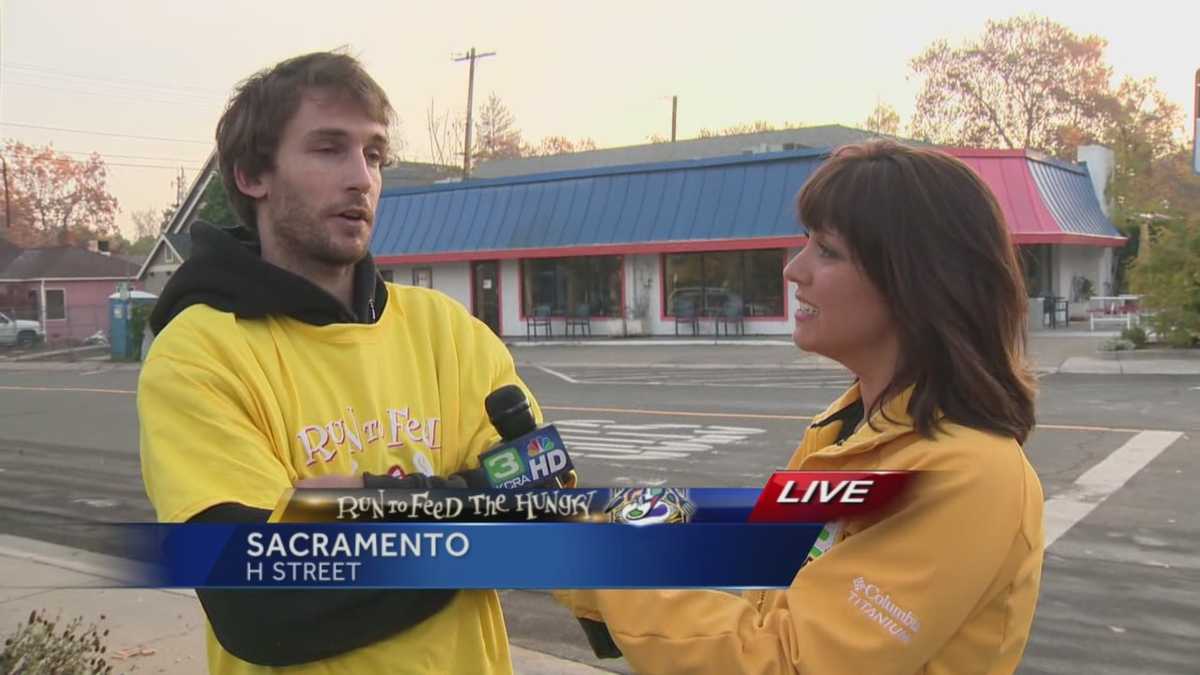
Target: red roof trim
1068,238
982,152
600,249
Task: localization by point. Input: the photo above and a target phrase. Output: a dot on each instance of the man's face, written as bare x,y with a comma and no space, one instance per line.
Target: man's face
318,203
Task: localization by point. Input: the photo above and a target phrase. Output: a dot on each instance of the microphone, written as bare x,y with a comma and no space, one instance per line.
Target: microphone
527,455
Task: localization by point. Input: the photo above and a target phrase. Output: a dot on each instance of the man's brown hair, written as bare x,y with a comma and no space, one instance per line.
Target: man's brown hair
931,238
249,131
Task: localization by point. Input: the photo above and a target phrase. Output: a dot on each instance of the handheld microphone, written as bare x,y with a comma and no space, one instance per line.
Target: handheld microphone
528,455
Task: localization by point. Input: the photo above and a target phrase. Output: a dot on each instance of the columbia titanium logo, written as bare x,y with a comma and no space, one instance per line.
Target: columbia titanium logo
879,607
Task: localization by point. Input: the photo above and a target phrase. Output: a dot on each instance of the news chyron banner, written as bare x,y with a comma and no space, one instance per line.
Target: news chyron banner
649,537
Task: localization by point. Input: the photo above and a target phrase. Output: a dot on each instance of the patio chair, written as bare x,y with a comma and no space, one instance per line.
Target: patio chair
540,319
580,320
732,316
687,316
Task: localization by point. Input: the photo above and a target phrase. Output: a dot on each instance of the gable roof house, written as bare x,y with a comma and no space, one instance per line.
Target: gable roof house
65,288
174,245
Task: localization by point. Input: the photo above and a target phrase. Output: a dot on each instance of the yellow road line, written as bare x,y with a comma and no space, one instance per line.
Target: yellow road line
802,418
1073,427
79,389
626,411
678,413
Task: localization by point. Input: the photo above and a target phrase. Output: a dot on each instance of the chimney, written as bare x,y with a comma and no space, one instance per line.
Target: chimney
1100,164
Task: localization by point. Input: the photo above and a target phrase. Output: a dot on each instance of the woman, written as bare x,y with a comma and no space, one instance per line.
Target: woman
910,280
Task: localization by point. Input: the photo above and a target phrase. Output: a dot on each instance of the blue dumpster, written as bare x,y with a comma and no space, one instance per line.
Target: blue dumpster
126,346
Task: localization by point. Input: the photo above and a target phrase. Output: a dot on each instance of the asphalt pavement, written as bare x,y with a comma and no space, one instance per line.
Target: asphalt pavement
1116,450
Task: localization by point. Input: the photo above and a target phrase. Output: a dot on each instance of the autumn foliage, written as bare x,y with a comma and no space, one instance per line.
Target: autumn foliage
54,198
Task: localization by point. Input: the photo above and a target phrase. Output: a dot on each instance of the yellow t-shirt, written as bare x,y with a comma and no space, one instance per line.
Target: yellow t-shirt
237,410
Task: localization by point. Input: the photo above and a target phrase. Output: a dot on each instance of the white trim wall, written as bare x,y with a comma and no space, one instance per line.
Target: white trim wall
1091,262
642,279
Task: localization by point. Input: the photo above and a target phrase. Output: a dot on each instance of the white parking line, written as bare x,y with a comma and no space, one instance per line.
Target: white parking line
1106,477
566,378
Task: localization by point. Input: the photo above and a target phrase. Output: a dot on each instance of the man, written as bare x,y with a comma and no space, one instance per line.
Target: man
283,360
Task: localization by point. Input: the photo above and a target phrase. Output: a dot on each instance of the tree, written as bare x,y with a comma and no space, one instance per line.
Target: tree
147,223
558,145
142,246
1142,128
58,199
883,120
1152,183
1168,277
445,134
1027,82
214,205
496,134
755,127
397,143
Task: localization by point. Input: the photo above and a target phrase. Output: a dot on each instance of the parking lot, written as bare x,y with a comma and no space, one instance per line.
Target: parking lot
1117,455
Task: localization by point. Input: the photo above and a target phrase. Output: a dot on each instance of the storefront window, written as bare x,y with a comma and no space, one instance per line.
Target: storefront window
714,283
572,286
1035,261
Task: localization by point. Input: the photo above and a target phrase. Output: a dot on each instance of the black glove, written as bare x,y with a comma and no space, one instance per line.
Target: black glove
600,639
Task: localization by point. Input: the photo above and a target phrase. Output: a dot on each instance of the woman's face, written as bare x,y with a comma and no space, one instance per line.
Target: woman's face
841,314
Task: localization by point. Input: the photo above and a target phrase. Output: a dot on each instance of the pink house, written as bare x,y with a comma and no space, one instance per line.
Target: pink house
63,287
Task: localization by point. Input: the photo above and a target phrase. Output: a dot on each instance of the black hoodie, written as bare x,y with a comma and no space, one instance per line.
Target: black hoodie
227,272
287,627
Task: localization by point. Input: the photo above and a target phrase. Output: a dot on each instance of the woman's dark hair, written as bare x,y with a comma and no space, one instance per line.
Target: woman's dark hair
249,131
930,237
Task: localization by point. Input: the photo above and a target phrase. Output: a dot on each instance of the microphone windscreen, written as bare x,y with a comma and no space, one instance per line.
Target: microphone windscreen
508,410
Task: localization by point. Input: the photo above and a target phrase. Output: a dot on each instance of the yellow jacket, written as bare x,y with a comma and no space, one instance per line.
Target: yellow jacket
945,582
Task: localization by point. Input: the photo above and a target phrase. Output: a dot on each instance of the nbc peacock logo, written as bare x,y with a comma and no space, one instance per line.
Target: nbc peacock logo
539,445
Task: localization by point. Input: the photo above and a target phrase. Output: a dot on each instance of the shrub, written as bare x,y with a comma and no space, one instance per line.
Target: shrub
1136,335
1116,345
1168,275
40,647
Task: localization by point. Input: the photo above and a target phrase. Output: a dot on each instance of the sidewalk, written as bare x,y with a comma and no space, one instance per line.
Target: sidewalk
150,630
1051,351
1060,351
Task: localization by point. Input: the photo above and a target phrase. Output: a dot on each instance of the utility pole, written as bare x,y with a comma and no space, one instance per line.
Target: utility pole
674,115
1196,128
179,188
470,56
7,207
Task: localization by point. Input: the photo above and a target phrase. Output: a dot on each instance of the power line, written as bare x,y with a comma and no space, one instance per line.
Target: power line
103,133
88,153
123,82
127,97
173,167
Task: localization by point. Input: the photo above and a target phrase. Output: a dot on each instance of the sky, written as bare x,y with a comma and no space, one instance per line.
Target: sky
163,69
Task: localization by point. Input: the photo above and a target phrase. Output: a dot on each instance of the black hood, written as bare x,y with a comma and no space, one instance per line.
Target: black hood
226,272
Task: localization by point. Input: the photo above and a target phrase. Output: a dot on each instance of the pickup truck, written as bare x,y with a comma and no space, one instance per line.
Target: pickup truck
19,332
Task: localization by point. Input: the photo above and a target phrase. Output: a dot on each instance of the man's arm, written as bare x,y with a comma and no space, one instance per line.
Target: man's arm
206,458
282,627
